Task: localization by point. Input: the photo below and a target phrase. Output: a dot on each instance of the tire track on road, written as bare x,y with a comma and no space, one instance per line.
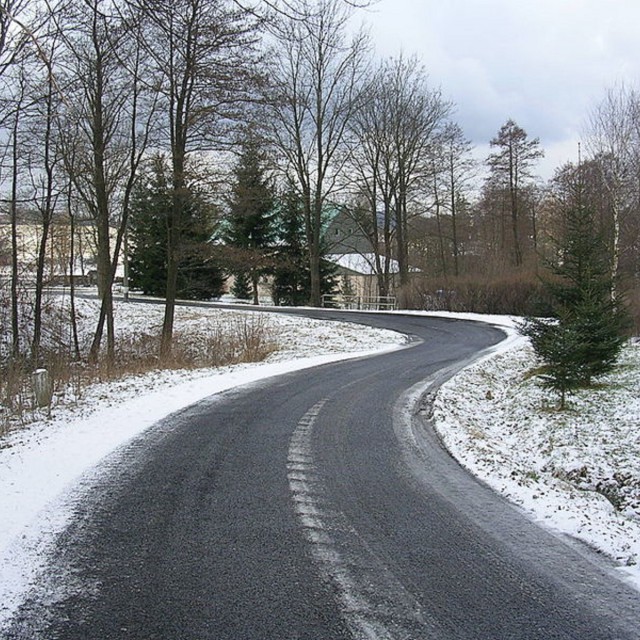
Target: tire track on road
375,605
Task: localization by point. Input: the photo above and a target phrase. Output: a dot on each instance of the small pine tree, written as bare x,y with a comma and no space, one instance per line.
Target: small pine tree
584,338
241,288
556,345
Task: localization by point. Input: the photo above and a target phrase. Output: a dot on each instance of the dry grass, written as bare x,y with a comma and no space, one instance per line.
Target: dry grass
237,339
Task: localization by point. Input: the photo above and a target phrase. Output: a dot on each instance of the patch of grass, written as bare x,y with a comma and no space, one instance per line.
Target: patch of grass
237,339
534,373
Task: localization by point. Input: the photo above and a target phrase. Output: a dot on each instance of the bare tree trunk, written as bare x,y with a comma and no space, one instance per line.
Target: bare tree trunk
615,246
104,264
381,266
15,311
39,290
315,251
401,240
110,263
454,219
72,284
99,143
255,280
436,197
46,213
514,210
174,234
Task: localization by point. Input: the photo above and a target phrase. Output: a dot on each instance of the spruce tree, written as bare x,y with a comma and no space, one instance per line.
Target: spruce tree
292,280
199,274
292,276
249,227
241,288
148,231
584,338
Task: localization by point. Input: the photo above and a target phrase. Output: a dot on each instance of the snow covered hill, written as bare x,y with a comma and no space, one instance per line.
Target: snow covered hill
575,471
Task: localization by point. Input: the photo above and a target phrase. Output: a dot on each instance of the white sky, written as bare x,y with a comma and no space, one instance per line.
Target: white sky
544,63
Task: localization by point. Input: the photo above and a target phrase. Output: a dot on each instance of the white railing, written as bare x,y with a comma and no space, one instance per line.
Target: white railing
371,303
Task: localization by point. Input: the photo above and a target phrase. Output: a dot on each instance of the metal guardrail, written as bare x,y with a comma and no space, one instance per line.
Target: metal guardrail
371,303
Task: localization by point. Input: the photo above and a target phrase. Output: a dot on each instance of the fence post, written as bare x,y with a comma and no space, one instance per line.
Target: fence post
42,387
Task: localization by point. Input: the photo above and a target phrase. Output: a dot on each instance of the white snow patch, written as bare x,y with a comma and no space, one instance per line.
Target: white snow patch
575,471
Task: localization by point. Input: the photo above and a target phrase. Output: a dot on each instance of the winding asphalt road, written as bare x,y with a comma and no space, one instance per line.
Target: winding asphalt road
317,505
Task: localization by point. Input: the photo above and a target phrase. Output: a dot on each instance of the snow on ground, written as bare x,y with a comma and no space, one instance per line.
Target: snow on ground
575,471
567,469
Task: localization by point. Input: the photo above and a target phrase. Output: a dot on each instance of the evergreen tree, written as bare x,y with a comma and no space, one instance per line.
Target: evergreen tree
586,335
250,224
292,276
241,287
199,275
148,231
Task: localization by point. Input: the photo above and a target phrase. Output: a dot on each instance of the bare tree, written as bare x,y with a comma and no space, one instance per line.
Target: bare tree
395,138
613,139
96,94
19,97
203,57
511,165
369,152
317,78
137,116
459,168
106,129
71,212
44,158
419,111
13,42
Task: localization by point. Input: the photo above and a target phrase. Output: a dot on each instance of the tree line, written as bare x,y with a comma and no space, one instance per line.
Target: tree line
219,135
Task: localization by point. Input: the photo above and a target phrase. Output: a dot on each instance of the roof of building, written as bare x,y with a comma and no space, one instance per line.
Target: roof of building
361,263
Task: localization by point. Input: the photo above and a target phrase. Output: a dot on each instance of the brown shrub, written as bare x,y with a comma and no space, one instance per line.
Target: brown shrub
512,295
235,340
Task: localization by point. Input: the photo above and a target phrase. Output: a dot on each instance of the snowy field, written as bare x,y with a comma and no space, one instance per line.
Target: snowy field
566,469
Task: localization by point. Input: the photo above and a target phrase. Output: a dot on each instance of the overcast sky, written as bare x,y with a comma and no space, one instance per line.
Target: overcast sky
544,63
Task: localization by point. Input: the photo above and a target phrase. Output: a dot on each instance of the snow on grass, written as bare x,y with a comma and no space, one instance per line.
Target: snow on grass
577,471
40,464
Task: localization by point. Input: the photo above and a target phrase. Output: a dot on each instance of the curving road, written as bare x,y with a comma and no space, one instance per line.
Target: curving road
315,505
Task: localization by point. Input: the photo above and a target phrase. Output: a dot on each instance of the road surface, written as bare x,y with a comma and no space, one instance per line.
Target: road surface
315,505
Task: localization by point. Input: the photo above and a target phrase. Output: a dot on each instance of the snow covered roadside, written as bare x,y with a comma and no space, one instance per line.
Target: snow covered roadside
496,422
41,463
566,469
